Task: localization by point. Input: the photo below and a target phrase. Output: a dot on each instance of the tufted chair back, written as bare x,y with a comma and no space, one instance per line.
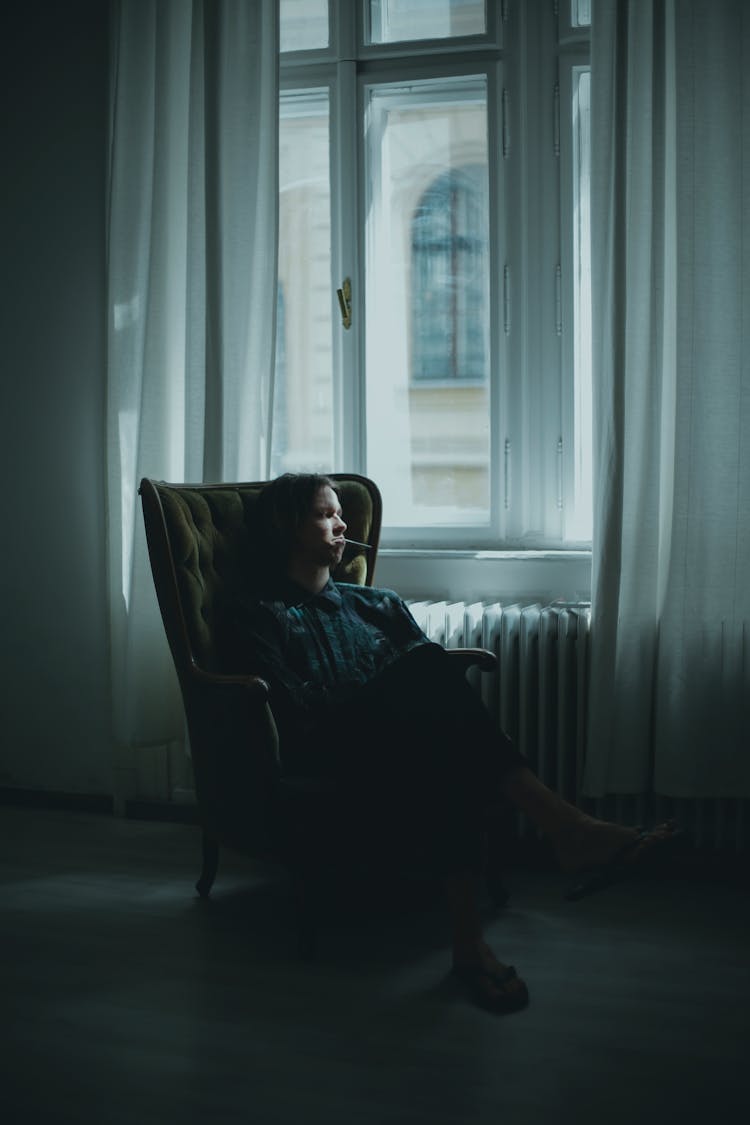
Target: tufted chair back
200,545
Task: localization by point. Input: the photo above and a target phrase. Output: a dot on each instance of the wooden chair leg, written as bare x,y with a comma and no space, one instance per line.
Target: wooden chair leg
210,866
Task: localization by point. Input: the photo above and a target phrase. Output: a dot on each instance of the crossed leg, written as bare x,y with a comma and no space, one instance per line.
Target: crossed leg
580,842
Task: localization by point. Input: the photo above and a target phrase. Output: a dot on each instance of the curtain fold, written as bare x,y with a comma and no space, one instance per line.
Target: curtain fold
670,671
192,230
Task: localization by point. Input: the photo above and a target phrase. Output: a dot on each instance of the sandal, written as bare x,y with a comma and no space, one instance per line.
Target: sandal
623,864
484,983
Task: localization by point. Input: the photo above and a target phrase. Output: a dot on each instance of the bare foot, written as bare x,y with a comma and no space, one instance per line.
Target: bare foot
587,843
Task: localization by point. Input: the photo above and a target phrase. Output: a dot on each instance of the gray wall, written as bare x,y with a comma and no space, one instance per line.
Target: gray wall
54,694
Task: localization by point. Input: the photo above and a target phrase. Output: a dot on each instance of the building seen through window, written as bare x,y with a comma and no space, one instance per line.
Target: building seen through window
449,271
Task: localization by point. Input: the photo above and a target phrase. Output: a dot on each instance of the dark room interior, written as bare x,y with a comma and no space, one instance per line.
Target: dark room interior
128,1000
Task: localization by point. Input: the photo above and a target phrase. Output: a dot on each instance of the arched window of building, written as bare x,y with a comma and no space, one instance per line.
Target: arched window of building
449,247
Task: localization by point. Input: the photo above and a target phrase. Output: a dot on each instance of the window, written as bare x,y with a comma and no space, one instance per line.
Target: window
393,21
449,263
303,417
427,299
303,25
434,170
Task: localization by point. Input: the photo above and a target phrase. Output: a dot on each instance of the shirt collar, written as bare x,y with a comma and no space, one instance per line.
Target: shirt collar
292,594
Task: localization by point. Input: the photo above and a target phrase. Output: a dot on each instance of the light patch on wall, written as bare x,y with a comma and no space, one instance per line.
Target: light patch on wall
127,313
127,424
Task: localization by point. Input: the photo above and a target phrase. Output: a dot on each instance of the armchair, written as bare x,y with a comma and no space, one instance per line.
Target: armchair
199,543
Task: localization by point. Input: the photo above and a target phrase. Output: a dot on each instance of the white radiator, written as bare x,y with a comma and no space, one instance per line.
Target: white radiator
538,697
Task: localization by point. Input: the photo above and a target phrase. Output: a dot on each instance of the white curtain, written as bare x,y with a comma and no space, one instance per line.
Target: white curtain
670,671
192,231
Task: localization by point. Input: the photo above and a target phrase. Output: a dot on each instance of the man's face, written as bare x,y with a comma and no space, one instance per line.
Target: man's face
320,539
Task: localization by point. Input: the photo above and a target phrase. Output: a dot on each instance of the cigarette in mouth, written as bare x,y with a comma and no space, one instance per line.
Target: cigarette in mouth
355,543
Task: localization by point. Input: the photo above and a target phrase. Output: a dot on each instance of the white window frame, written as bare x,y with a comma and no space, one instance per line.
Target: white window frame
572,63
528,252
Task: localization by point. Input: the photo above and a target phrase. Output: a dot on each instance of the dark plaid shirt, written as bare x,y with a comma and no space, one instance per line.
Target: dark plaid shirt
316,649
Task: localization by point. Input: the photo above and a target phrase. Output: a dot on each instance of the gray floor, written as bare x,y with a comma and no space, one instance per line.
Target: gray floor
128,1000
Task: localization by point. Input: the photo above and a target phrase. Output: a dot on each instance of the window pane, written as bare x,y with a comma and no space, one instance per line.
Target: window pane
394,21
303,424
580,13
427,271
303,24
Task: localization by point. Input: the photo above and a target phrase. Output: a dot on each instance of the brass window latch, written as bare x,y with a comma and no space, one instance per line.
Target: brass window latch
344,295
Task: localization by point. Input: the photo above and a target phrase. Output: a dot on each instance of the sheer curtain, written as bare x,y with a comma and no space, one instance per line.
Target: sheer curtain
192,229
670,673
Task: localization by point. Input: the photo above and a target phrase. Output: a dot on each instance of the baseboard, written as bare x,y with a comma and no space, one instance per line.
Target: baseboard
162,810
100,803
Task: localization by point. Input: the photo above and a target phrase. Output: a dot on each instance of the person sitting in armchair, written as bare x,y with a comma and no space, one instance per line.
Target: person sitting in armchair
341,657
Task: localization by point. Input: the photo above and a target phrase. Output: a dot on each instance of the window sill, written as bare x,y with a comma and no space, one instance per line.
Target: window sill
471,575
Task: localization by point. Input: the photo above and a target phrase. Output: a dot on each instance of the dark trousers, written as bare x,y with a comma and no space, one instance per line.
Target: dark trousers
420,759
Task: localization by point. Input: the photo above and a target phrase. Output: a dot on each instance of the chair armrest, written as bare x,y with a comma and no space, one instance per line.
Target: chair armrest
254,685
485,660
229,719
